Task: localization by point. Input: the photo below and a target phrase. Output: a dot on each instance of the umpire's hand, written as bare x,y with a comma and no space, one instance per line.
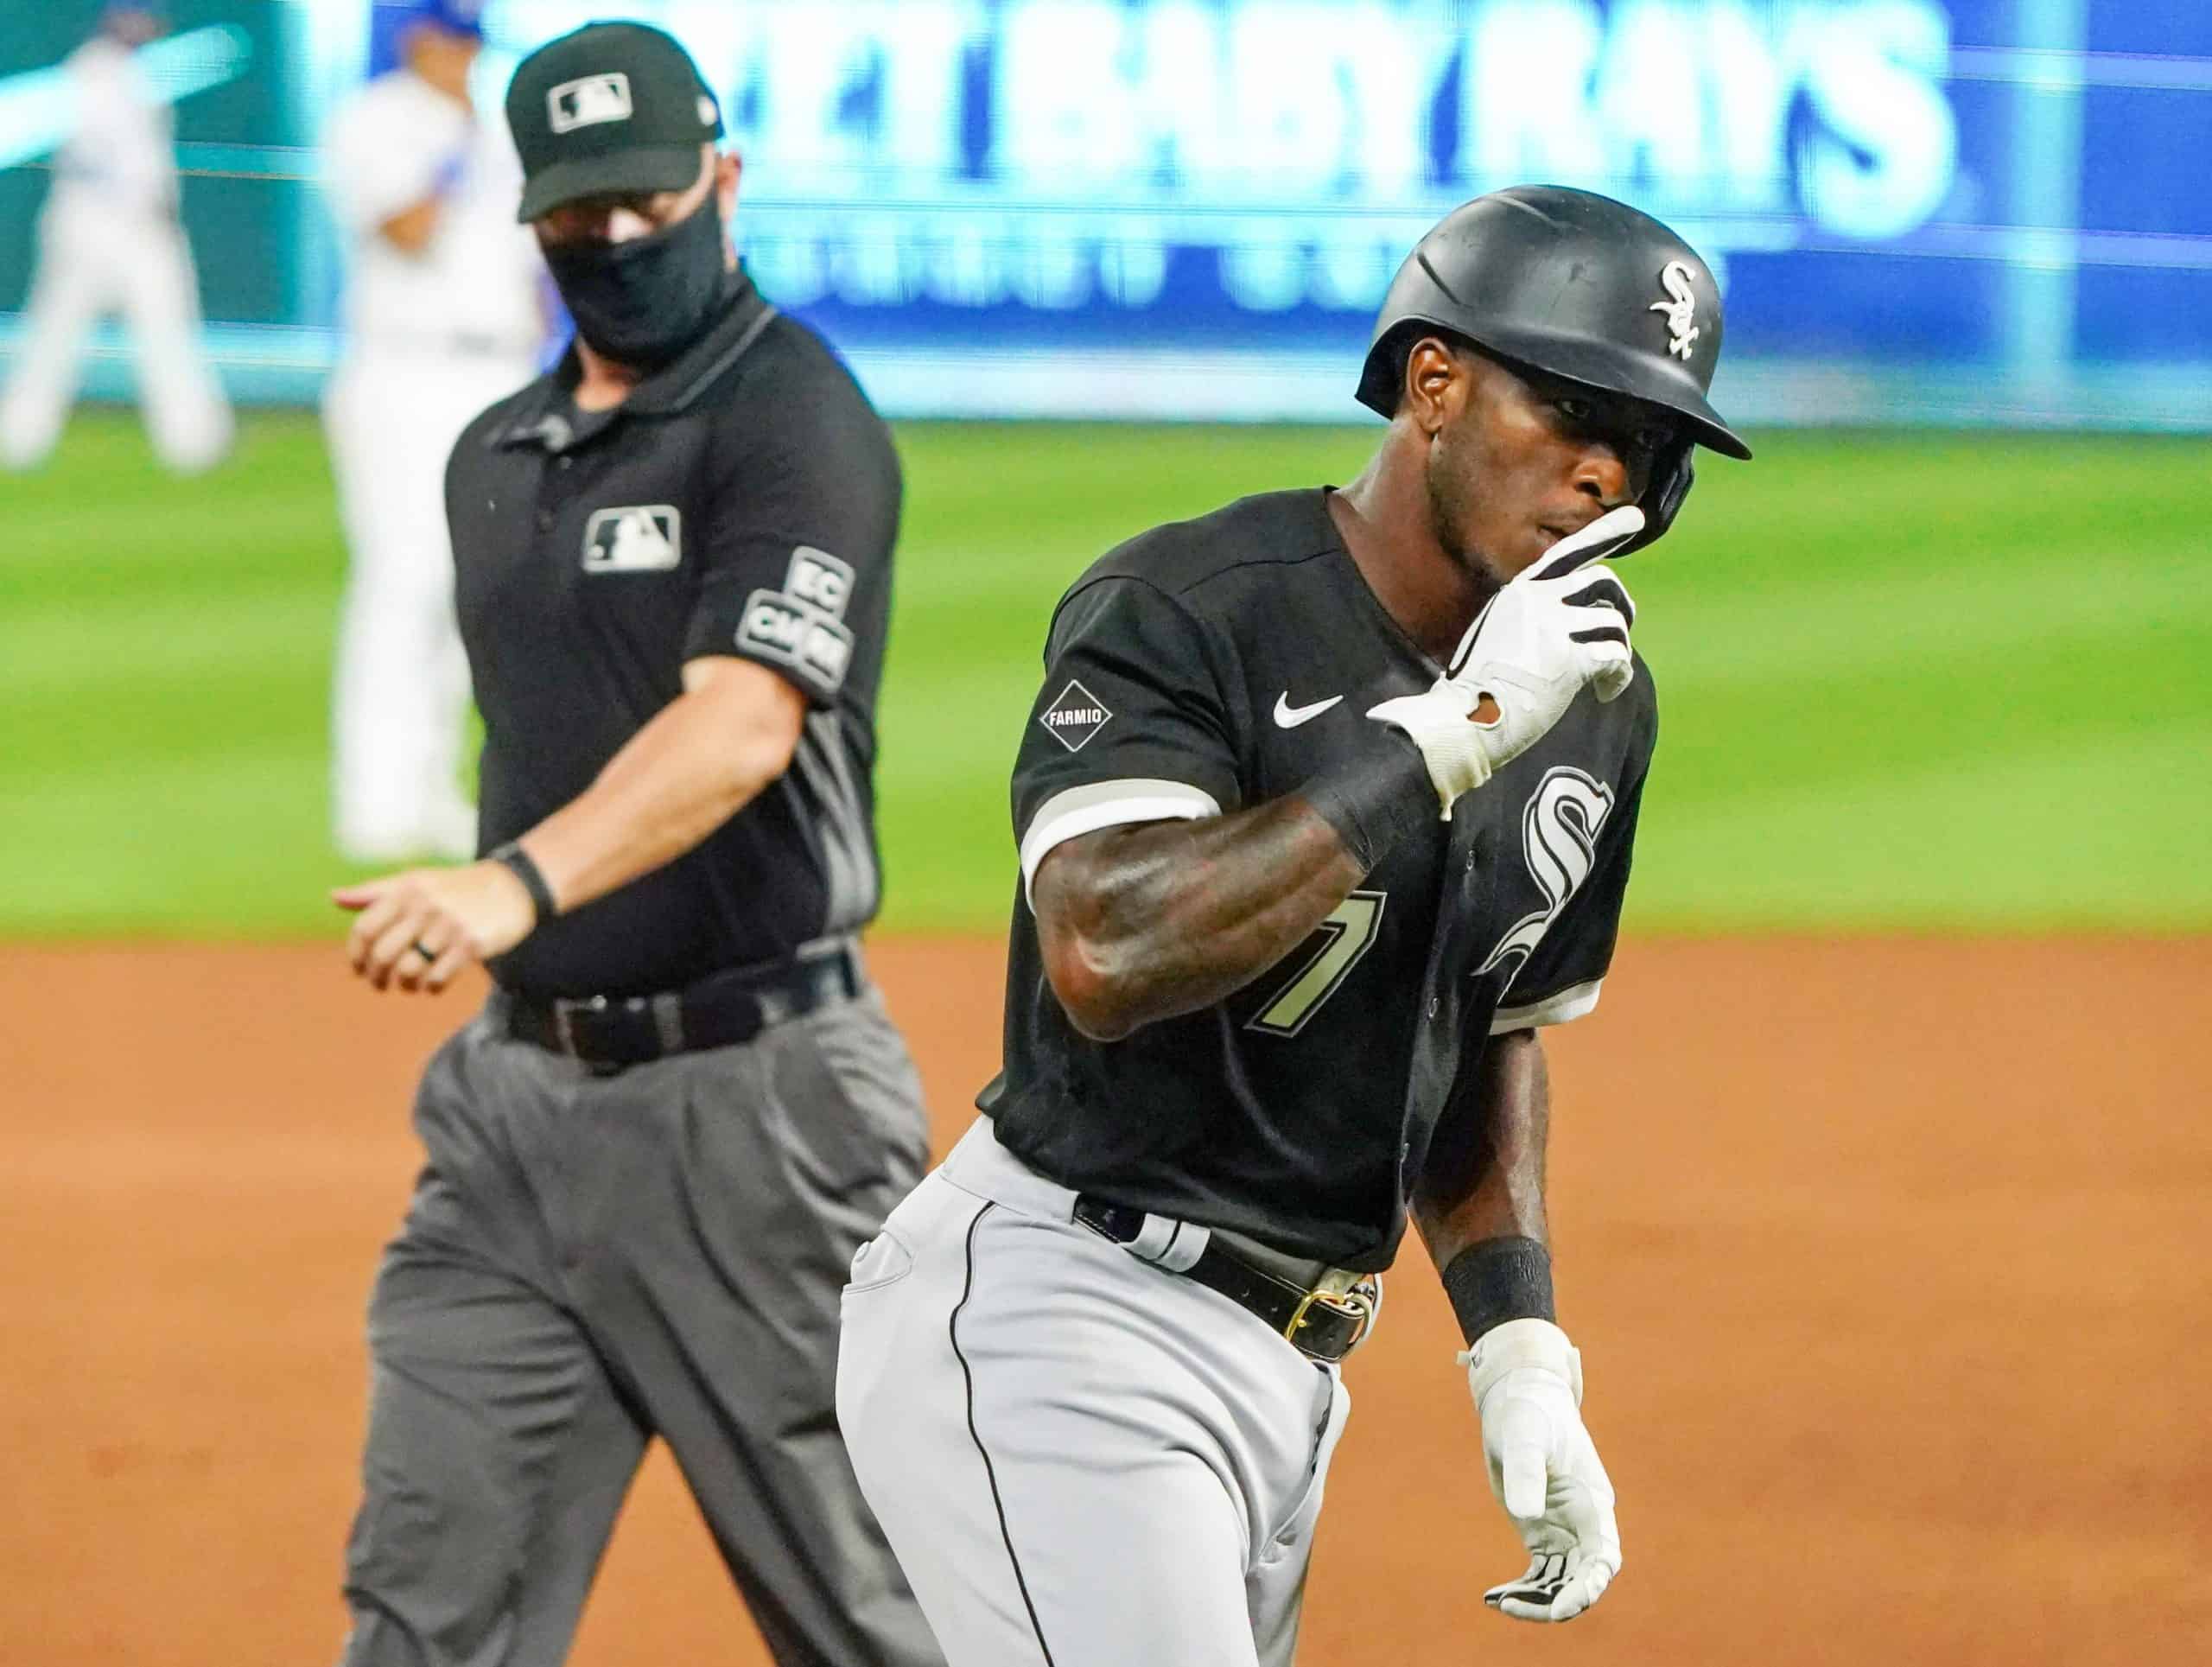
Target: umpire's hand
417,929
1527,1381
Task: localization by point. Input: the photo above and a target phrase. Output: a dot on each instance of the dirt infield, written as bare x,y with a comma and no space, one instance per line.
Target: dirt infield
1889,1262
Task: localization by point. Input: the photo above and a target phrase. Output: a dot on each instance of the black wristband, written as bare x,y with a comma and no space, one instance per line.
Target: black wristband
1376,801
1498,1280
512,857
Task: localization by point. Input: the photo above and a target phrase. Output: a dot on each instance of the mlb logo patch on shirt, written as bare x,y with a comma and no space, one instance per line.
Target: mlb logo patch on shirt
1074,716
642,539
588,101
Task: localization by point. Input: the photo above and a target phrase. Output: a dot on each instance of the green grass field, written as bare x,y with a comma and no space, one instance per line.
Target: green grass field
1908,682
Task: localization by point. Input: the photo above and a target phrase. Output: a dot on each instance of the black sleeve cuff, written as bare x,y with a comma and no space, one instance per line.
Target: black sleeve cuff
1379,800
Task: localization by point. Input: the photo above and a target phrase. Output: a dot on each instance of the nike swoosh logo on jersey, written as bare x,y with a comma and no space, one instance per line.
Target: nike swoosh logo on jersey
1289,717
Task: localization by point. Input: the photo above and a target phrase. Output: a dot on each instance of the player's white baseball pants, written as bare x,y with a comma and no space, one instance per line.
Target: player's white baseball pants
1079,1459
391,413
95,258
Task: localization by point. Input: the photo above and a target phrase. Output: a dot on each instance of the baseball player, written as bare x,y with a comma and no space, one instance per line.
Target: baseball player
653,1157
1325,811
110,242
441,317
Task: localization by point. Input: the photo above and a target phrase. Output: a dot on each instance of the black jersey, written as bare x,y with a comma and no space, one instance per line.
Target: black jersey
1221,663
743,500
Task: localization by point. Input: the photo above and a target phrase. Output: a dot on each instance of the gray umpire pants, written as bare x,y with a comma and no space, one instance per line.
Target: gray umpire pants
594,1260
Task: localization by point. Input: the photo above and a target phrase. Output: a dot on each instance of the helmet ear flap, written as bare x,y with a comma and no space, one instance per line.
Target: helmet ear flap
1383,378
1673,473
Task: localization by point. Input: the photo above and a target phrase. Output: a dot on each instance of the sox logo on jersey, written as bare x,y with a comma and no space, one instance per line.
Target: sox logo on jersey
1559,835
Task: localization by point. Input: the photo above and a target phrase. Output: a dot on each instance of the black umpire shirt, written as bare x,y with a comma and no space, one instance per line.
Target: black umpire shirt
1220,663
742,500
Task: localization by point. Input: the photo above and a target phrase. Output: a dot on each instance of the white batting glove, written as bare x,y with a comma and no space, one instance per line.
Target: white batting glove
1553,631
1526,1379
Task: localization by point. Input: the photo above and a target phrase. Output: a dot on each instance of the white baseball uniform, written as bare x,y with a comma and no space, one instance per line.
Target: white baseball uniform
109,242
1079,1458
430,339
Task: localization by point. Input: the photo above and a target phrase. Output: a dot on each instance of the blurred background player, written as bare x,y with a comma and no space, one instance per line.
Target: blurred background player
442,317
110,242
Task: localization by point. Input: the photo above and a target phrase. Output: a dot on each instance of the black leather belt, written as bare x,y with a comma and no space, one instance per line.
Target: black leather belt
1321,1323
608,1033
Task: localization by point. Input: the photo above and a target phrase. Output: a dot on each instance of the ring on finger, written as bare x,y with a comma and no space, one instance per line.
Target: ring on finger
423,950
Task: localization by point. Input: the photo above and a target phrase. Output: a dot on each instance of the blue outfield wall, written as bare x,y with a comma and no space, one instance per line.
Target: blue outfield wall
1943,211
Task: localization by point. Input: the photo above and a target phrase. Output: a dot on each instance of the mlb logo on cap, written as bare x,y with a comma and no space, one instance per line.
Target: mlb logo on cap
589,101
611,109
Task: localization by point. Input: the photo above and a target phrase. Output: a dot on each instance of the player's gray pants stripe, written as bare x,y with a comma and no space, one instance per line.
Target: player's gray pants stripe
998,1502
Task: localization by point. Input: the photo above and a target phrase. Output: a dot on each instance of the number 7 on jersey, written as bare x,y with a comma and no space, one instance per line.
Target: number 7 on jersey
1348,930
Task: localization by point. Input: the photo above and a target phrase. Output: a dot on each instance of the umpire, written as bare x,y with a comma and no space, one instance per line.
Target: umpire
653,1155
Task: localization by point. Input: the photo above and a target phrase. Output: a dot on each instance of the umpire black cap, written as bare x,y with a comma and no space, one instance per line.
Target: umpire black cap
610,108
1568,283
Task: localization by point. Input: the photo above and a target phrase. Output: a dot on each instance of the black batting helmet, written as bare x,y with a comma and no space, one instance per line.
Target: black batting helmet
1568,283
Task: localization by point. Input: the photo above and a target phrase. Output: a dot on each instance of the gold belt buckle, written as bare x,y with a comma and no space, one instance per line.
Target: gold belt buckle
1359,1300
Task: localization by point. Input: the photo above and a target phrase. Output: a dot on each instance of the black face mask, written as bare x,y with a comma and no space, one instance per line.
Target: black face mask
643,302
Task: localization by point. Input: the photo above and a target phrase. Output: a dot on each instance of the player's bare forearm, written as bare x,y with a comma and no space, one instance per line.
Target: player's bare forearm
410,229
700,760
1484,1178
1139,924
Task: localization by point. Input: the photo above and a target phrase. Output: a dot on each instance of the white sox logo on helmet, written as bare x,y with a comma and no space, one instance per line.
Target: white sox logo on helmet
1679,307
